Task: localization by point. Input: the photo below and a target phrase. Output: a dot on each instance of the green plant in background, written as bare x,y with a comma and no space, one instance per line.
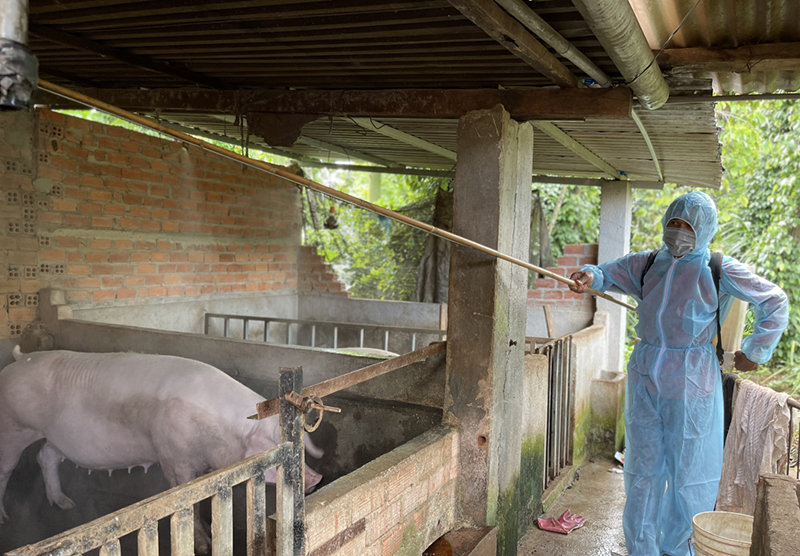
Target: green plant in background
377,258
759,211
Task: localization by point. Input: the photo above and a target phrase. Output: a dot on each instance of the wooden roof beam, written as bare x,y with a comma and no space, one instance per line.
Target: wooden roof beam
564,138
651,148
522,104
403,137
349,153
744,59
93,47
510,33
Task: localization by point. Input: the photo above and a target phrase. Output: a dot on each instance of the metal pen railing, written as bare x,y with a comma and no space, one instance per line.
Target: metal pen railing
336,327
560,404
178,503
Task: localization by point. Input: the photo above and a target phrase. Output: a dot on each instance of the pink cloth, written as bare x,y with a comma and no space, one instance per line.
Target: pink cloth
564,524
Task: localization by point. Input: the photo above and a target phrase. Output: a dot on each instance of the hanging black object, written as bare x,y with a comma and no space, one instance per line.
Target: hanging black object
331,223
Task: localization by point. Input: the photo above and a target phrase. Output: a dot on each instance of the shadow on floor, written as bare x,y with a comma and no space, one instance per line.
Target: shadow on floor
597,495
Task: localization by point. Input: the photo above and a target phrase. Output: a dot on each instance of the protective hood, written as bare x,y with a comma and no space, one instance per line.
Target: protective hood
699,210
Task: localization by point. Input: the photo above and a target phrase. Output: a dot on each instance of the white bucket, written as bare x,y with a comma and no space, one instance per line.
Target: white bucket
722,534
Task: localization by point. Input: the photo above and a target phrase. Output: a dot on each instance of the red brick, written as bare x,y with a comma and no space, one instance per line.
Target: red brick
101,295
88,282
98,257
62,205
67,241
114,210
133,280
123,269
170,226
119,257
125,293
159,257
92,181
151,226
152,292
571,249
552,294
567,261
100,244
102,222
53,255
103,196
146,269
123,244
129,223
116,131
100,269
49,217
77,220
78,269
90,208
112,281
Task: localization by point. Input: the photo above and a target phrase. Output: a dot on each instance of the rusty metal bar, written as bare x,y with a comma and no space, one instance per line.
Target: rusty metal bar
143,516
270,407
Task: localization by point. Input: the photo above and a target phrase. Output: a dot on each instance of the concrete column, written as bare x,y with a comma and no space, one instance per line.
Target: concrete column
487,314
616,207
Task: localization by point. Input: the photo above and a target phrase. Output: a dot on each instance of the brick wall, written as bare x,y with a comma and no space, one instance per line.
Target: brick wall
551,292
402,501
112,216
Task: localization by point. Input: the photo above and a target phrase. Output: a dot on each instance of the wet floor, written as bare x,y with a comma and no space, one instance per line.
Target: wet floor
598,496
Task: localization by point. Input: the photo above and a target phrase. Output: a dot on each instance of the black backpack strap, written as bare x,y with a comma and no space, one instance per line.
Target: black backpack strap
715,264
651,258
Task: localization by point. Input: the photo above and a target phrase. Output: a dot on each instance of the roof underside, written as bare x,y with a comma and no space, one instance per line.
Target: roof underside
368,45
727,23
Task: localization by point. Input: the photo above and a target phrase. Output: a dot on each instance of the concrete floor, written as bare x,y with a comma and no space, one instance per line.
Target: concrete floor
597,495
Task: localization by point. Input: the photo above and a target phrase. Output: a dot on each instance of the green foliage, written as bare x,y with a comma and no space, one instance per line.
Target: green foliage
758,204
376,257
578,219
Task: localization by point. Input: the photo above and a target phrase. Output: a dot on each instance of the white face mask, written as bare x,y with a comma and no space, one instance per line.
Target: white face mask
679,241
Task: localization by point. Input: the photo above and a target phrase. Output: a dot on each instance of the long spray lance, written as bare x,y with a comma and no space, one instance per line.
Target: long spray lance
304,182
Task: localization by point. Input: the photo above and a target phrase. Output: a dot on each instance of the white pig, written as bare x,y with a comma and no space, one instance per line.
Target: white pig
106,411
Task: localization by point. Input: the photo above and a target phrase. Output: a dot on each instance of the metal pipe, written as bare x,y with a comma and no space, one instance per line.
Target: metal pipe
539,27
19,68
290,176
616,27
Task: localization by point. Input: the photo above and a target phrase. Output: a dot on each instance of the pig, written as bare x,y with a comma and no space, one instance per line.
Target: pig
107,411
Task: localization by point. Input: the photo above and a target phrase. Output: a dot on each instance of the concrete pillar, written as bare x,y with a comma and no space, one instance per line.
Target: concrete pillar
487,314
615,241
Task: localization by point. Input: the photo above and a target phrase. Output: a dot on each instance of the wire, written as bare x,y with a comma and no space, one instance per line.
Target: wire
663,46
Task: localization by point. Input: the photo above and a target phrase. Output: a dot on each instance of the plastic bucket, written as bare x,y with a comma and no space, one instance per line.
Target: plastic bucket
722,534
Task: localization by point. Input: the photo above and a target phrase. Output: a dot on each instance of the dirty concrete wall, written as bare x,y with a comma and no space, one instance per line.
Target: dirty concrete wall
571,312
112,216
180,315
397,504
777,516
534,431
410,315
590,357
607,423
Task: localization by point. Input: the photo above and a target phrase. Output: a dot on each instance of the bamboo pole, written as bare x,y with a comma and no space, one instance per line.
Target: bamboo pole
287,175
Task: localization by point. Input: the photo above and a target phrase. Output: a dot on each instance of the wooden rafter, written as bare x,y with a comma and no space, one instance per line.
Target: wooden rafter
348,152
529,104
506,30
394,133
564,138
744,59
643,131
87,45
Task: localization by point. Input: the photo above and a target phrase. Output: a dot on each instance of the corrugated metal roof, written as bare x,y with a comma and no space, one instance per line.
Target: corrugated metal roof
726,23
685,139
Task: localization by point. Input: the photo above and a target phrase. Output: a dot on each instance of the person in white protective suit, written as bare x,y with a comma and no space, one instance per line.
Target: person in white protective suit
673,406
